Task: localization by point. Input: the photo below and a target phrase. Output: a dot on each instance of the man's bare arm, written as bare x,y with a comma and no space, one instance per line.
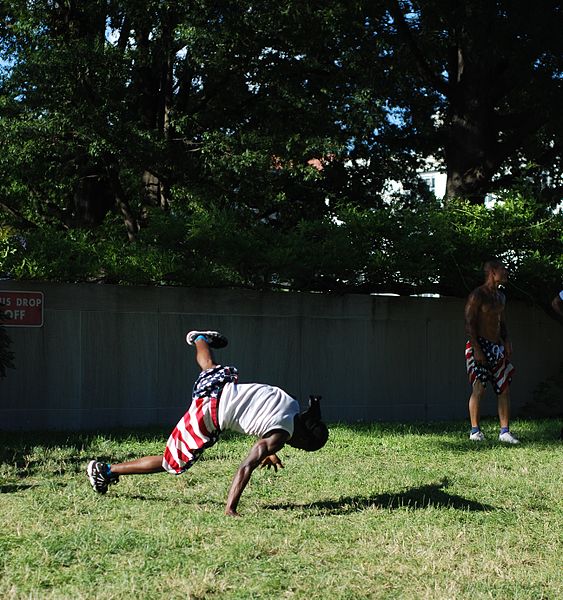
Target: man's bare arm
505,339
503,330
262,448
472,310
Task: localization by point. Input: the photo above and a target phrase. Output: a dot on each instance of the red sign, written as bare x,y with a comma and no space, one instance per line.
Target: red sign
21,309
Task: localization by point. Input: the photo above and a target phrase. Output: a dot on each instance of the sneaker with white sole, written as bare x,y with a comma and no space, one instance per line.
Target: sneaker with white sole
508,438
478,436
214,338
98,475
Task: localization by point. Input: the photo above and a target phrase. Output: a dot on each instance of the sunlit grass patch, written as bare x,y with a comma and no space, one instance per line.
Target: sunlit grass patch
383,511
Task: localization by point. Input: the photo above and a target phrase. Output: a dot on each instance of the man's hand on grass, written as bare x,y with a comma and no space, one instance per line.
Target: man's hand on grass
272,460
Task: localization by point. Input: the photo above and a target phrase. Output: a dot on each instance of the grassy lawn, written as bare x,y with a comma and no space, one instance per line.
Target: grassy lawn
384,511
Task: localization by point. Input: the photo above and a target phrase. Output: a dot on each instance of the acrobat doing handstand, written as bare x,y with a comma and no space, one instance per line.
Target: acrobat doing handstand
221,403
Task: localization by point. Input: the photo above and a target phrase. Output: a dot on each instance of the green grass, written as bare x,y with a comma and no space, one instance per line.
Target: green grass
384,511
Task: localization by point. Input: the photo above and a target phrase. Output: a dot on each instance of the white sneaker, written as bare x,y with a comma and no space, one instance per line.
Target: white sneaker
508,438
478,436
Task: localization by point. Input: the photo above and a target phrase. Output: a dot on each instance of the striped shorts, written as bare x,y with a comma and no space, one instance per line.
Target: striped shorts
498,370
198,429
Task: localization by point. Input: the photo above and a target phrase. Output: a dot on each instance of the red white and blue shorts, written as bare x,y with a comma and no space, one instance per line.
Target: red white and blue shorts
199,428
497,369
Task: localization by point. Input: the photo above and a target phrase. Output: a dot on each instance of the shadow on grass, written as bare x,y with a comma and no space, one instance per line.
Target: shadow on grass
543,431
25,451
491,443
12,488
425,496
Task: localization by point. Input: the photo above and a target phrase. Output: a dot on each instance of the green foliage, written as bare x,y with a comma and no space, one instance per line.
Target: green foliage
401,248
6,355
194,125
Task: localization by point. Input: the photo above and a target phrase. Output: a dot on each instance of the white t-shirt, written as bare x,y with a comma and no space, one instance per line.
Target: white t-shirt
256,408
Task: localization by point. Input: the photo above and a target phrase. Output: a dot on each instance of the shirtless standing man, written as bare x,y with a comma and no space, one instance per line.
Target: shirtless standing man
488,349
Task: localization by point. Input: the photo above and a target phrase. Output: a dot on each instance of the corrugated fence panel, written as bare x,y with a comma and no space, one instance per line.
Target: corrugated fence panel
111,356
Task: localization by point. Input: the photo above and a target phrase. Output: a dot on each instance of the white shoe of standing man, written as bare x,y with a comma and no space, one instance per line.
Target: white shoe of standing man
508,438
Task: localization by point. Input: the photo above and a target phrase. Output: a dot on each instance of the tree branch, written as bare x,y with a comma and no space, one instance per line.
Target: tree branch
424,67
19,217
131,223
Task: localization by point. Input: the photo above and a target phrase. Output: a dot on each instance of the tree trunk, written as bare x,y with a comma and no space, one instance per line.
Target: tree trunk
122,204
468,158
155,191
471,130
93,199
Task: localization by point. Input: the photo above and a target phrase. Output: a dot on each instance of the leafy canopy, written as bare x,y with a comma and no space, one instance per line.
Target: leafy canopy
252,144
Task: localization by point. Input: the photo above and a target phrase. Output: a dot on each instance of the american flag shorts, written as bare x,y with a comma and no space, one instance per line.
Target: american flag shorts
198,429
498,370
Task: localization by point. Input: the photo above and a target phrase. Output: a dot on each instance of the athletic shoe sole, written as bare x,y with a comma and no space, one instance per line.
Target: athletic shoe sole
214,338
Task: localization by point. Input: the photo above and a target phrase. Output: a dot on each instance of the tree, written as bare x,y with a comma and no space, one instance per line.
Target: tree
205,100
483,80
216,107
248,144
